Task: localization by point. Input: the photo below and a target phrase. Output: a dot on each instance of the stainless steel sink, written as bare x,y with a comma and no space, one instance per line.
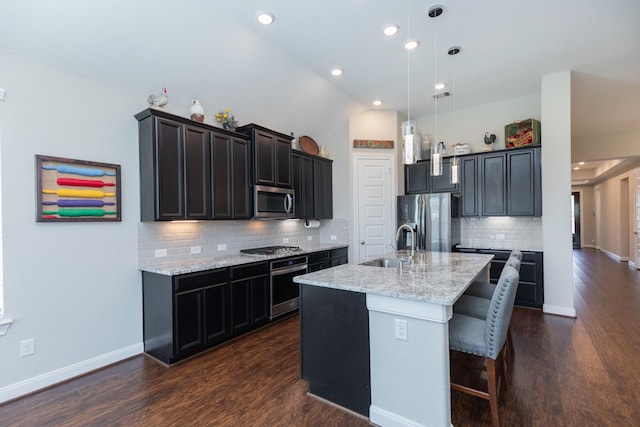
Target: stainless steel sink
383,262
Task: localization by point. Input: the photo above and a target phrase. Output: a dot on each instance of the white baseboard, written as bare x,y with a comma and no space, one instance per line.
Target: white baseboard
611,255
47,379
382,417
559,310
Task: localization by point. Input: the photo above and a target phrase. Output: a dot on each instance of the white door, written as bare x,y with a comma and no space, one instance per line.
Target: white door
636,228
375,207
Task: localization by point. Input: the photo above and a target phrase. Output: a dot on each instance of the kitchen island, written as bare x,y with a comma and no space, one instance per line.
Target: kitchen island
408,342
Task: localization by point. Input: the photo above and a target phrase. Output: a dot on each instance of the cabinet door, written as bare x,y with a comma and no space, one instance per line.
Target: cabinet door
442,183
469,186
216,314
198,172
240,306
260,300
169,170
222,176
302,178
188,322
493,185
282,148
416,178
322,189
265,158
242,189
523,194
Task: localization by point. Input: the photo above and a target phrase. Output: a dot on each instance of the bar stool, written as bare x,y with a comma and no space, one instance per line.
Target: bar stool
486,339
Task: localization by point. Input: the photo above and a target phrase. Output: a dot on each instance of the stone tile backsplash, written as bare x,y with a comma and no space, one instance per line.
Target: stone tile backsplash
502,233
220,238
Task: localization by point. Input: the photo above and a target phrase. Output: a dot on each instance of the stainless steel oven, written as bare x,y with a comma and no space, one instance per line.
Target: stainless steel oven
285,294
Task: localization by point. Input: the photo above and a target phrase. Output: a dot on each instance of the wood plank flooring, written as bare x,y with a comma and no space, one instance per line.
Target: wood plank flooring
567,372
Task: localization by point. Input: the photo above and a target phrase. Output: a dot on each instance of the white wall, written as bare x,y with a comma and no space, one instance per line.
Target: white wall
75,287
556,192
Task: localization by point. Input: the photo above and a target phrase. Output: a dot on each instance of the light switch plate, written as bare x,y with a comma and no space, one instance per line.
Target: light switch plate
196,249
161,253
222,247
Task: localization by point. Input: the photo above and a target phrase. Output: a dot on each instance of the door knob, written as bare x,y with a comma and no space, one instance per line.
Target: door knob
362,242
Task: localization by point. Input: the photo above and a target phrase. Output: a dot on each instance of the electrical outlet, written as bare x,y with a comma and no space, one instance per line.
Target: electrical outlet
161,253
285,240
222,246
27,347
334,237
500,236
196,249
309,238
401,329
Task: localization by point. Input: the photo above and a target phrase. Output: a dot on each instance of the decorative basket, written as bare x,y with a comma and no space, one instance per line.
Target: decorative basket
523,132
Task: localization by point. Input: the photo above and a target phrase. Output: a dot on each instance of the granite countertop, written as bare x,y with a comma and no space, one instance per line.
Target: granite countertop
435,277
174,268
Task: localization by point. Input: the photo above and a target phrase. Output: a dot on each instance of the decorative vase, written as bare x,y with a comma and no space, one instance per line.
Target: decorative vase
197,111
229,126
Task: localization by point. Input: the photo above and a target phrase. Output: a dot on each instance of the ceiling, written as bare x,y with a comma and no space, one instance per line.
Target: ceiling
506,47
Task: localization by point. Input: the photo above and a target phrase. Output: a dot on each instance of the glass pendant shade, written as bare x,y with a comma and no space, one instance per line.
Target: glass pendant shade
408,136
455,178
436,159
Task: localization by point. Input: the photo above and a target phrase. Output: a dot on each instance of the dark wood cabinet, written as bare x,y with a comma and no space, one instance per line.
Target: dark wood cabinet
191,170
322,189
271,155
318,261
510,183
197,165
232,195
302,174
469,189
339,256
531,284
250,297
418,178
313,182
184,314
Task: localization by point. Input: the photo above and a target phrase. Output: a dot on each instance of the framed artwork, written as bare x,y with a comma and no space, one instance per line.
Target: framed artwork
71,190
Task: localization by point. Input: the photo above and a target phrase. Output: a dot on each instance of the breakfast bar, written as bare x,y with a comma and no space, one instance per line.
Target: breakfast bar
403,315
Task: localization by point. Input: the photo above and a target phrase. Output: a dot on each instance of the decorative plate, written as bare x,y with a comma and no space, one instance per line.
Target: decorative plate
309,145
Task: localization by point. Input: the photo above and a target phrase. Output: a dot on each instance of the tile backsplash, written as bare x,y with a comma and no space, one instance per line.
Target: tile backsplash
523,233
206,239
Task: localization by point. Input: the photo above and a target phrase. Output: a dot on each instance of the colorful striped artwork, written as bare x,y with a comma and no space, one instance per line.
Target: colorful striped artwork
68,191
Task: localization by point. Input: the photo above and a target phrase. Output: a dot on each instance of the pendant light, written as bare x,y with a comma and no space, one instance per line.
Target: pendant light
436,146
455,178
408,128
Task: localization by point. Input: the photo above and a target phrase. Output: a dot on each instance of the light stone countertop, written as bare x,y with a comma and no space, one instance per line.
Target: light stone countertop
435,277
174,268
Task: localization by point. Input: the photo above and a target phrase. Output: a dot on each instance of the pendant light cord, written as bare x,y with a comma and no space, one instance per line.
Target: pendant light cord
408,69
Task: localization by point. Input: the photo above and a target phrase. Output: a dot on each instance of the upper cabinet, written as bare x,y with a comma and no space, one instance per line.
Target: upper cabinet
418,178
272,156
177,180
509,183
312,182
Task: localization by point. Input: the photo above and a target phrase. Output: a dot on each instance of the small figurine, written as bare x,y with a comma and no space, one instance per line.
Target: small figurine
197,111
158,101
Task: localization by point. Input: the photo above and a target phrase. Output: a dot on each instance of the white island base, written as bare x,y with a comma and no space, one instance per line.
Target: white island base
409,379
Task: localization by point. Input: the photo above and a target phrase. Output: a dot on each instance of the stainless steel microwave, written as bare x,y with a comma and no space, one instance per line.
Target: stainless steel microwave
273,202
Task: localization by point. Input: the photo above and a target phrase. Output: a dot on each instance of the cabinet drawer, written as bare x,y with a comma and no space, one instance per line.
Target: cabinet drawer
251,270
318,257
191,281
339,253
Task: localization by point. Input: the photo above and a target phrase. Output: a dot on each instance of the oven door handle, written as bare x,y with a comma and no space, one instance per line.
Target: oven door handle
286,270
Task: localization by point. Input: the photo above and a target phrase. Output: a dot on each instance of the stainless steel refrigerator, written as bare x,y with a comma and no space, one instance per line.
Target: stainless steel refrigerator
435,219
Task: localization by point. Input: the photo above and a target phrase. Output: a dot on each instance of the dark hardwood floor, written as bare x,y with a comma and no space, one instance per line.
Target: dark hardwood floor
567,372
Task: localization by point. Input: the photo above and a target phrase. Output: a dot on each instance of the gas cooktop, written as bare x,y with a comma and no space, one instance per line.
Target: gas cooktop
271,250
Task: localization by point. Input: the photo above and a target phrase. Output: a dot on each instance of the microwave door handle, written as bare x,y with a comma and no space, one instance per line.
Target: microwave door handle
288,203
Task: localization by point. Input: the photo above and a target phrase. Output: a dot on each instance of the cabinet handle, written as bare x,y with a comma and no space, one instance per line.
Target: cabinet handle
362,242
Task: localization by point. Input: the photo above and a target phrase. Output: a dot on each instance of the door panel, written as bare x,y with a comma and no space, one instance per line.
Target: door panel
375,208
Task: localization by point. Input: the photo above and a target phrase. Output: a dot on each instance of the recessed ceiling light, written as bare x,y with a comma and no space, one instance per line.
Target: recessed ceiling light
265,18
411,44
377,102
581,163
576,168
440,86
336,71
391,29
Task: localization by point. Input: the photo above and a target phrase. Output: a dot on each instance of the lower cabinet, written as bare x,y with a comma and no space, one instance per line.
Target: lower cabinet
318,261
531,285
249,297
339,256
